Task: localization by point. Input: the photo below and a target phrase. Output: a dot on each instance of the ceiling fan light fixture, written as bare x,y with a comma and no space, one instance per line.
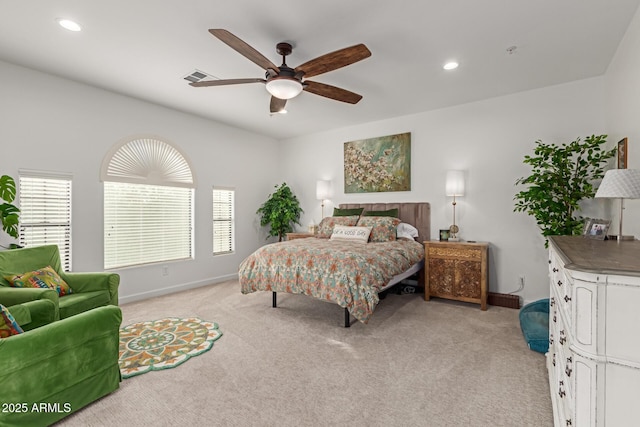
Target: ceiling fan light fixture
284,87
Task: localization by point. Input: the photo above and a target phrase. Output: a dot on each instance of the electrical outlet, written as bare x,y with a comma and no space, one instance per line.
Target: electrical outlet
165,270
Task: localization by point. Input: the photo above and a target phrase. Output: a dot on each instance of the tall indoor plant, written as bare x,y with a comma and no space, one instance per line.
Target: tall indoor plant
9,213
280,211
561,176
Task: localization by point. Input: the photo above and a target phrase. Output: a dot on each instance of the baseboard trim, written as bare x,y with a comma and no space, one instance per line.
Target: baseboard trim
176,288
503,300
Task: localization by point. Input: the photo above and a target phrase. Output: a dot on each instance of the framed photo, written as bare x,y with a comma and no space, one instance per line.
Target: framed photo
596,228
444,235
622,153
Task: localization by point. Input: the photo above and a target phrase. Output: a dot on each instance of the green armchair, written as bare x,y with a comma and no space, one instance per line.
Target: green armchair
89,290
52,371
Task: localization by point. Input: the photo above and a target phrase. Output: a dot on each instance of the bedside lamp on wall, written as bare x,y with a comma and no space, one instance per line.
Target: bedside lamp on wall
454,188
323,192
620,184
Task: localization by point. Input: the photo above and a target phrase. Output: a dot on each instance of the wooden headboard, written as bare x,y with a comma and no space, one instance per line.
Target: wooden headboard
417,214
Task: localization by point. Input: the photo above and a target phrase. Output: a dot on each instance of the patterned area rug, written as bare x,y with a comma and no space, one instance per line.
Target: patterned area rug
164,343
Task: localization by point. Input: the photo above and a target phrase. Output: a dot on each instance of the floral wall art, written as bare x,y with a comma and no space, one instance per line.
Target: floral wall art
378,164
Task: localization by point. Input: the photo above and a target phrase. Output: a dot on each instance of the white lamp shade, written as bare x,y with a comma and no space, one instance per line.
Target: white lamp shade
620,184
455,183
323,190
284,87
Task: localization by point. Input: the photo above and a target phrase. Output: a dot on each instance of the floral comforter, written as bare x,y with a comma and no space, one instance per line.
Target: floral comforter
347,273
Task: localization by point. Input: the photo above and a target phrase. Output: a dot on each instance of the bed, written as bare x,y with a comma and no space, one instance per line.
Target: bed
344,272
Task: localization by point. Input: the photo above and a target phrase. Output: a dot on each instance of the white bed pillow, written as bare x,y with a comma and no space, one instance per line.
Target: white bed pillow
352,234
407,230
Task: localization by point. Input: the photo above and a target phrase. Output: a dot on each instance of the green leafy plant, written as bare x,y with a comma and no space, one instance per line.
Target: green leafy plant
9,214
280,211
561,176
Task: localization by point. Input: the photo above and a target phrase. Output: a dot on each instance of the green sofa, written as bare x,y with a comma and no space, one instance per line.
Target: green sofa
54,370
90,290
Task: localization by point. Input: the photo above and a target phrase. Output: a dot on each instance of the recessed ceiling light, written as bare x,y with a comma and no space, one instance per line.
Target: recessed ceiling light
69,24
450,65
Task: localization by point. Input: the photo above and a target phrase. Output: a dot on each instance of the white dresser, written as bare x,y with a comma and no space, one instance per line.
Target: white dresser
594,332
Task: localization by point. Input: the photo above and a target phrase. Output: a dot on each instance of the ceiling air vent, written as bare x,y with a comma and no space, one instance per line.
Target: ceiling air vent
197,75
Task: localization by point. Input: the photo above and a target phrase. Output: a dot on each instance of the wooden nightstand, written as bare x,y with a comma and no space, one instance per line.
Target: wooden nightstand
293,236
456,270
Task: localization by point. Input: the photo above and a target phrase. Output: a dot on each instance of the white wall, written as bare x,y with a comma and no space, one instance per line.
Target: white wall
623,114
53,124
488,140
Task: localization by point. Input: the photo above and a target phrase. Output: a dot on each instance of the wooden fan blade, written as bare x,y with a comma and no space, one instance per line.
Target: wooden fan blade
334,60
277,104
243,48
206,83
332,92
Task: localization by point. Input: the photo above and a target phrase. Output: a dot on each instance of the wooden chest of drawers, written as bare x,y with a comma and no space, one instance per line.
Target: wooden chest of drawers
456,270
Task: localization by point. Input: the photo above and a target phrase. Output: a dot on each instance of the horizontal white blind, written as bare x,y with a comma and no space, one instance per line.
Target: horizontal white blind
223,239
45,214
146,224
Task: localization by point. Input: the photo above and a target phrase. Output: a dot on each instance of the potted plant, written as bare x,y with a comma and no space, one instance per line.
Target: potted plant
9,213
280,211
561,176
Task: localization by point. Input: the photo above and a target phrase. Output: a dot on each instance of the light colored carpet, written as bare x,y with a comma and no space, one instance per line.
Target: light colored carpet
416,363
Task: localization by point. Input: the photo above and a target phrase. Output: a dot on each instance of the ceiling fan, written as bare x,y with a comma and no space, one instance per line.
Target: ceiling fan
284,82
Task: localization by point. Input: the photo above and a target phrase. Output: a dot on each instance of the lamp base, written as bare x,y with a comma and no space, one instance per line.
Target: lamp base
621,238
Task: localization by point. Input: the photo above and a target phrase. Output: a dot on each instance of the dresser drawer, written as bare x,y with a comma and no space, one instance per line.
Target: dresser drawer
457,253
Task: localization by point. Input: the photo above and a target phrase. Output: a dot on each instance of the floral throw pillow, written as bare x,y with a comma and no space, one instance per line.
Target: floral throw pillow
325,229
383,228
8,325
43,278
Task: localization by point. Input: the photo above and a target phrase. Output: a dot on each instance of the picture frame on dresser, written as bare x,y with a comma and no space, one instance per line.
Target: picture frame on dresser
595,228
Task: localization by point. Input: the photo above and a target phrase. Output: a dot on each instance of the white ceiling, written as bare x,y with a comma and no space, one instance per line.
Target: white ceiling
144,48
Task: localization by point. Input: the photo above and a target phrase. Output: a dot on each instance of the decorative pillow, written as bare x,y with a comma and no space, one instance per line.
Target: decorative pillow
407,230
8,325
347,212
43,278
352,234
325,229
389,212
383,228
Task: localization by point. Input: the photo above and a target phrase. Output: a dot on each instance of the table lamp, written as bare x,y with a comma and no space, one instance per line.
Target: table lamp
454,188
620,184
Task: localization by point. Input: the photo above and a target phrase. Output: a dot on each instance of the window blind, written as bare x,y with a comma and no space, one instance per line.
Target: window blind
146,224
223,238
45,213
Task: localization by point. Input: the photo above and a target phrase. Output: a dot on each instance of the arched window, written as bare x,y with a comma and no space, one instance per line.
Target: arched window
148,203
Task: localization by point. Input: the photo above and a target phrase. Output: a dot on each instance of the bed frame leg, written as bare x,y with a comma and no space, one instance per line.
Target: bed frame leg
274,300
347,323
